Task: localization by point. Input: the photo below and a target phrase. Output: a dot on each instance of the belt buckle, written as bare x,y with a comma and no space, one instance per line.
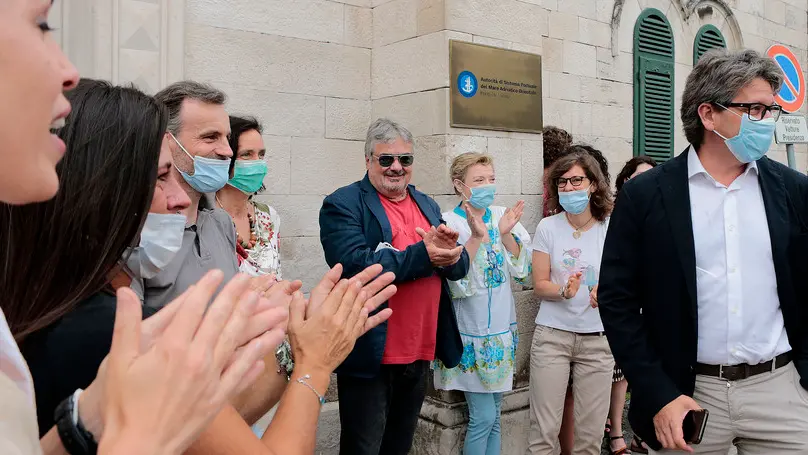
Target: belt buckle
734,372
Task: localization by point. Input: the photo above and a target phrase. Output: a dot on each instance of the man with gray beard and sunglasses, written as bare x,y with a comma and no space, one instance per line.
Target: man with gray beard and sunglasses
383,219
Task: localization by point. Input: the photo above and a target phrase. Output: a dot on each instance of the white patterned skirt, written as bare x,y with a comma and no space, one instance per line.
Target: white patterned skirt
486,366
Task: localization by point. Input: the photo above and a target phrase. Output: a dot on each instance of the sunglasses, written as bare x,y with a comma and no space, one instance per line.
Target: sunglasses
388,160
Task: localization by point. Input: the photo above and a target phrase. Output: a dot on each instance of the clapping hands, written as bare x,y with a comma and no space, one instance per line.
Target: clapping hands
511,217
441,245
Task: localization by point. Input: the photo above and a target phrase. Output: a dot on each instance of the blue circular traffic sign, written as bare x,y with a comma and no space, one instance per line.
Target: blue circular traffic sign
792,93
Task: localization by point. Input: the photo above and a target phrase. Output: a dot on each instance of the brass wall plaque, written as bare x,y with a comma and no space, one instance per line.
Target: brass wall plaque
494,88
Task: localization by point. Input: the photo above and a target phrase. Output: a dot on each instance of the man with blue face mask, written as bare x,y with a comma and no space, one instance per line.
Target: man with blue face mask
701,280
198,128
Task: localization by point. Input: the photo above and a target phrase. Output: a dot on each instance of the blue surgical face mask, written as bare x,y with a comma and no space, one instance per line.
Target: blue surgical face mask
753,139
574,202
481,196
210,174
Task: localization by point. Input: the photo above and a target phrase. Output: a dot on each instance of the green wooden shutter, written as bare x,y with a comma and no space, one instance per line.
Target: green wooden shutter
708,37
653,85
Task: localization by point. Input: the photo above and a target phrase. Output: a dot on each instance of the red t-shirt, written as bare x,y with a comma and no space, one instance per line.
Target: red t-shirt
412,329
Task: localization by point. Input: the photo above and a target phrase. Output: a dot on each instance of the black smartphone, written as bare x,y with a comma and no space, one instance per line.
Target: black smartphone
694,424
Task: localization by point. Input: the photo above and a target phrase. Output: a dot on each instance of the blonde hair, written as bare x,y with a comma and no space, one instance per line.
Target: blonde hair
462,163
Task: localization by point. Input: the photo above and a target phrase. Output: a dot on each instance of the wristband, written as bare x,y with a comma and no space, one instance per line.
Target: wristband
75,438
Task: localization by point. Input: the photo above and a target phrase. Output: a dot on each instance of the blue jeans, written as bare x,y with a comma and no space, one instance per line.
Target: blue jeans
483,435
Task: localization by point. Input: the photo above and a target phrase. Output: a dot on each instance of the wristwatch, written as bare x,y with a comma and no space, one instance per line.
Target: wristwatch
562,292
286,363
76,439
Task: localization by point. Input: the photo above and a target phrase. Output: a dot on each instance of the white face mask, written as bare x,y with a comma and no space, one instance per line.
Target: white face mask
160,240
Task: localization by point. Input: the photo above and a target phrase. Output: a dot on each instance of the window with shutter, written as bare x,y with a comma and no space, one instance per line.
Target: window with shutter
708,37
653,85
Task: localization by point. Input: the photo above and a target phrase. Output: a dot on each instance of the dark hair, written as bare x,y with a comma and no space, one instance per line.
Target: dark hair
239,126
601,202
631,167
175,94
717,78
555,142
598,156
60,252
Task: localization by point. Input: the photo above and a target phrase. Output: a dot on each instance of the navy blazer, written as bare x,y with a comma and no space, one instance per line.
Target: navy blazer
649,265
352,224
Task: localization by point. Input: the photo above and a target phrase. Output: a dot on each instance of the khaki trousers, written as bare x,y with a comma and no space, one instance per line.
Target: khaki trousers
764,414
553,353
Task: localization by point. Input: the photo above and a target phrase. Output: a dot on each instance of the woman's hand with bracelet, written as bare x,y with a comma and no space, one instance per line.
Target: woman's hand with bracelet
323,336
166,386
269,320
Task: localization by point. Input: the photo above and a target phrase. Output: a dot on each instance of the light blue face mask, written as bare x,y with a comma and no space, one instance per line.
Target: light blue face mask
210,174
753,139
481,196
574,202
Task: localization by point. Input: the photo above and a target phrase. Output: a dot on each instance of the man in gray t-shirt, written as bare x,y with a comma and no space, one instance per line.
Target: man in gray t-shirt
208,244
198,128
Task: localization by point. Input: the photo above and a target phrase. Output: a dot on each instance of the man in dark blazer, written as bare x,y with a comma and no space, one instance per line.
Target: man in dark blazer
382,219
703,279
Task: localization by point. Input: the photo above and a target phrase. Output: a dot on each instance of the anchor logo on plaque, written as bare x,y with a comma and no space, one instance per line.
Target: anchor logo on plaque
467,84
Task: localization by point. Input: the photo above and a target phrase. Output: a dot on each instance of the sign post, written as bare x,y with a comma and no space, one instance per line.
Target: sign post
791,97
791,129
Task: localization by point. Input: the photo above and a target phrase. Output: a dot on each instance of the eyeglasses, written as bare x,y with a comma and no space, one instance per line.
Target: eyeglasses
387,160
757,111
576,181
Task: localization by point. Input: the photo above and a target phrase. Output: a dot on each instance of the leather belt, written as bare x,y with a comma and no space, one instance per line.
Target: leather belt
744,370
591,334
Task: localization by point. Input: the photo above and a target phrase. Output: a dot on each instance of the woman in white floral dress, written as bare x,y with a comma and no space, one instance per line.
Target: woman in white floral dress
483,300
257,224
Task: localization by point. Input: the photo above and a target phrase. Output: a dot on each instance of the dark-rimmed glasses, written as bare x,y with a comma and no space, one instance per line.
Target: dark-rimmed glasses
576,181
406,160
757,111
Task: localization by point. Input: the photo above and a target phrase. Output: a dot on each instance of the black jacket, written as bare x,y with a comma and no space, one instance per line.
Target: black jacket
352,224
649,264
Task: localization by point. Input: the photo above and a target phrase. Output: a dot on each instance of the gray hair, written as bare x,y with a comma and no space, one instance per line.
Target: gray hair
385,131
174,95
717,78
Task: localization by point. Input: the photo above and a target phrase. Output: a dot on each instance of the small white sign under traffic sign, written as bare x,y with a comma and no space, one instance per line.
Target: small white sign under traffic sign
791,129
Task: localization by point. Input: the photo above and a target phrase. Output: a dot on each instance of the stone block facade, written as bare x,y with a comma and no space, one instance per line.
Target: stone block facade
316,72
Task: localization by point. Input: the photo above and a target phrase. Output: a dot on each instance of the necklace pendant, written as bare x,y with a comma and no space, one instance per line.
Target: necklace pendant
576,234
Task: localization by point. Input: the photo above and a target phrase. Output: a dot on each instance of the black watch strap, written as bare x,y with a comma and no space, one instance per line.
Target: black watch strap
76,440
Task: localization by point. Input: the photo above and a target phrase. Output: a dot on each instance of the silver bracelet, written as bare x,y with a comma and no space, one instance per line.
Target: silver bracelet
302,380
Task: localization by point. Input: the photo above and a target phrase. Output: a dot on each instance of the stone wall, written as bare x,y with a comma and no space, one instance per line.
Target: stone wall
304,69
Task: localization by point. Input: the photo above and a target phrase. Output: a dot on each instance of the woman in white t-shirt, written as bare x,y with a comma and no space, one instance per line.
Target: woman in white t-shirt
569,337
